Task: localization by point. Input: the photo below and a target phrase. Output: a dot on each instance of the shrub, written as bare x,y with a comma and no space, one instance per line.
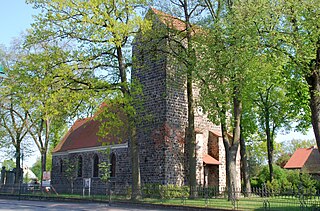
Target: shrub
151,190
284,180
165,191
174,191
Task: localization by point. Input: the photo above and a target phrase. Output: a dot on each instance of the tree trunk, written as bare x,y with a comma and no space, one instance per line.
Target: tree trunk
136,183
18,166
231,167
269,143
43,164
191,137
244,168
314,90
231,146
136,180
43,160
231,149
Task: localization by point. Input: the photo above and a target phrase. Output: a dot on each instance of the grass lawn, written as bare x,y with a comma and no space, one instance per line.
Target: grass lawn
254,203
250,203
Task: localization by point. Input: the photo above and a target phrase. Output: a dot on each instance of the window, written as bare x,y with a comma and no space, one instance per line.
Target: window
95,166
80,166
113,165
61,166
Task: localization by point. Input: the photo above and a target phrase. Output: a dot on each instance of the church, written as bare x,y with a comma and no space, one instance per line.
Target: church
161,139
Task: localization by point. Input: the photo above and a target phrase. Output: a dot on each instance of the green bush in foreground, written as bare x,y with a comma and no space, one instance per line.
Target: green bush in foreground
165,191
284,180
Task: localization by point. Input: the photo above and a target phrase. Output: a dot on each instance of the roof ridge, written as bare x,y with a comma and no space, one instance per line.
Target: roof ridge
170,21
299,158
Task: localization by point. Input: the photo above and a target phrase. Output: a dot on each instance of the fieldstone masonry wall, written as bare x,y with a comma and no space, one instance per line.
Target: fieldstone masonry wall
62,184
165,100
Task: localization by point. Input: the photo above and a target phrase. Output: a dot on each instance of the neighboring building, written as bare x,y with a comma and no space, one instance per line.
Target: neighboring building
161,134
307,160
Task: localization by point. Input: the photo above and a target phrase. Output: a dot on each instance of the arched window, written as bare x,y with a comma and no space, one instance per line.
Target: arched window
95,172
80,166
113,165
61,166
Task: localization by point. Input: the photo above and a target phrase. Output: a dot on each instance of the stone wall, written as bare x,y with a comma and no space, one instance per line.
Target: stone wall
161,139
61,183
149,72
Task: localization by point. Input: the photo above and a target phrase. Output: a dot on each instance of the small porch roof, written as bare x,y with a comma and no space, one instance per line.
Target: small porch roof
207,159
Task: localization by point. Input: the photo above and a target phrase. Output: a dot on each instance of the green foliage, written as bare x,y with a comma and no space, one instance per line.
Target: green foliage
290,146
36,168
104,167
285,180
174,191
165,191
282,159
70,170
9,164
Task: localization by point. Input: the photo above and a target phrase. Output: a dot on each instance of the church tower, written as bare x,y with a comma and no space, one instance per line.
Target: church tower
161,135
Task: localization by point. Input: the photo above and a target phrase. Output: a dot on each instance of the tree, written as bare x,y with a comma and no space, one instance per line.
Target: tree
13,117
102,32
9,164
36,168
226,51
292,145
15,125
70,171
293,31
104,168
46,99
245,174
270,99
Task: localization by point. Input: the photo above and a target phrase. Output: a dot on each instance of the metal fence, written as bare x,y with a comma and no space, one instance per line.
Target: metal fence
210,197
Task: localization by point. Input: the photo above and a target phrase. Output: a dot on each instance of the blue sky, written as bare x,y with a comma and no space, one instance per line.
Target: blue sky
15,17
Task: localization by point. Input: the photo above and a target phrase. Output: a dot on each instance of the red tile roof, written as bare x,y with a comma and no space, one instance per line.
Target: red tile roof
83,134
299,158
218,133
169,20
174,23
74,127
207,159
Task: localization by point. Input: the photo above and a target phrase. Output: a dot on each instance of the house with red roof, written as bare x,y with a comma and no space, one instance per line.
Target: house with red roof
161,137
305,159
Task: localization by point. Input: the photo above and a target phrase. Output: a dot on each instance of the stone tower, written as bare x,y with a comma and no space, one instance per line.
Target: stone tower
161,134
